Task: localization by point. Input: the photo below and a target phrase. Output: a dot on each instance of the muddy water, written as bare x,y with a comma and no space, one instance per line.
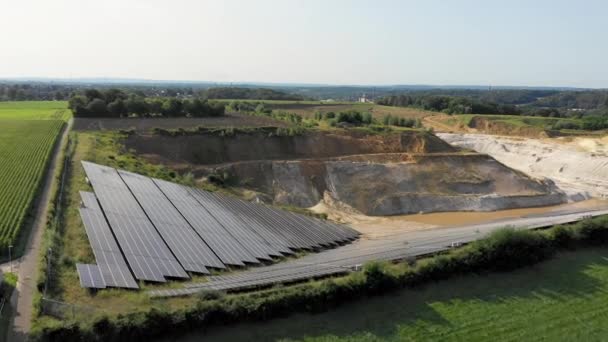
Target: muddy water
373,227
458,218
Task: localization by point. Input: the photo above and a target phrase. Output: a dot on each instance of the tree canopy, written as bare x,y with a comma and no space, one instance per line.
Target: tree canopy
115,103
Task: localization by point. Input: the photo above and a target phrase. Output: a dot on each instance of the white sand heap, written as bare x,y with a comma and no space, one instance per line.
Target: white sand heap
579,166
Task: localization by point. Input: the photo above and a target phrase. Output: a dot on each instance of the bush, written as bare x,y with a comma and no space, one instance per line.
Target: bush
594,231
562,124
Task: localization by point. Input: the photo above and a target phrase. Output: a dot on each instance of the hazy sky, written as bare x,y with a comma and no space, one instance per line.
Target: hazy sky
506,42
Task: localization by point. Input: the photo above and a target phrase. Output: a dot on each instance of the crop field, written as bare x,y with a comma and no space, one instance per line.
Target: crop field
25,148
35,110
564,299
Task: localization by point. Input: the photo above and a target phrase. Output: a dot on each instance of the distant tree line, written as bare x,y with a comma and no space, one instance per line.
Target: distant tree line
115,103
34,92
249,94
593,99
358,118
449,104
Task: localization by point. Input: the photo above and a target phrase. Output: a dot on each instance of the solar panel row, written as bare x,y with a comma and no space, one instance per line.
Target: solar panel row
147,254
225,246
165,229
110,262
190,250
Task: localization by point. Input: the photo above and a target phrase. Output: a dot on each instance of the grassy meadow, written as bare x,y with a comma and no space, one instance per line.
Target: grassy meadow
35,110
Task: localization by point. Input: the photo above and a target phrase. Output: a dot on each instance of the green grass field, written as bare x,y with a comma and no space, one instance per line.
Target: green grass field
564,299
35,110
25,148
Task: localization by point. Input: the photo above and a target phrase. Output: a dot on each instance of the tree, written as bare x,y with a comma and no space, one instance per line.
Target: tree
136,105
77,105
172,107
155,106
114,94
117,108
97,107
92,94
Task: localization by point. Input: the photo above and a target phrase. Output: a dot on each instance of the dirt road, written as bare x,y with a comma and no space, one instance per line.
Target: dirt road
26,265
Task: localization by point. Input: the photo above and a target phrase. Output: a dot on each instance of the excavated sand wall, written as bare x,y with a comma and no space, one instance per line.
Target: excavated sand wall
468,182
376,174
212,148
579,166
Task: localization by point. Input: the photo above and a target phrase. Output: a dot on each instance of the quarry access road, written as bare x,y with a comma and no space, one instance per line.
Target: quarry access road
398,246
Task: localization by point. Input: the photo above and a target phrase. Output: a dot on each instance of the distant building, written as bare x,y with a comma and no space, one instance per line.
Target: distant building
364,99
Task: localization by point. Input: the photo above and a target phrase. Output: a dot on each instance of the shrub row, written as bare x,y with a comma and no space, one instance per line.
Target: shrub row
504,250
50,238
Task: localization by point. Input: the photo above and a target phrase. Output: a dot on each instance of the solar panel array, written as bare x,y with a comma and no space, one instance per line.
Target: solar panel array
397,246
164,230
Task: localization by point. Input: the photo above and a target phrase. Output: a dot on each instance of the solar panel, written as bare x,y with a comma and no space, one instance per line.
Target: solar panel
146,252
190,250
266,231
225,246
269,218
108,255
241,231
293,226
90,276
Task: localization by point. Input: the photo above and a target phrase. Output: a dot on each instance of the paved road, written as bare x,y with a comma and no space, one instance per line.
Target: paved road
26,265
392,247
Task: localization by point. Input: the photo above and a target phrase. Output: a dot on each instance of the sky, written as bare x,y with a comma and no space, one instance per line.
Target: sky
379,42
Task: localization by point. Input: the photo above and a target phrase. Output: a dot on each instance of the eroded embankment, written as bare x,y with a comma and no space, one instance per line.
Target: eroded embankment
388,174
578,165
210,147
